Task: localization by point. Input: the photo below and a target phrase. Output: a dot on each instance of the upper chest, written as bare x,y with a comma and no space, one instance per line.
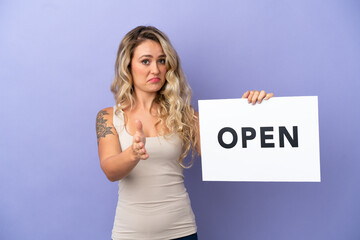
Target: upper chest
150,123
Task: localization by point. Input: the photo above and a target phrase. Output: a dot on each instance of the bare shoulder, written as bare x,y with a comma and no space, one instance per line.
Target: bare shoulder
104,123
106,111
105,115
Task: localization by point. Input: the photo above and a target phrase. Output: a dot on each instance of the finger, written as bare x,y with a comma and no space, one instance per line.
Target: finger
269,95
255,97
140,145
250,96
135,147
144,156
261,96
140,151
246,94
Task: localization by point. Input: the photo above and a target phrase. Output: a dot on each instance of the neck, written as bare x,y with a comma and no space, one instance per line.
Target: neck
143,101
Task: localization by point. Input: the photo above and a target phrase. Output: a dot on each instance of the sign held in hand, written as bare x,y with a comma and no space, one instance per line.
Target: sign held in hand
277,140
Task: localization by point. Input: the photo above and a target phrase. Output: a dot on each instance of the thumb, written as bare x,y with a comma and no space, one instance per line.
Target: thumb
139,131
138,126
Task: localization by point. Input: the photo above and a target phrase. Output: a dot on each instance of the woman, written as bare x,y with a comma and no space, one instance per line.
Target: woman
144,138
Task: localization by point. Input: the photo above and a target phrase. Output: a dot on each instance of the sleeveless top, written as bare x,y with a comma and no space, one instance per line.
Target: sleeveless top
153,203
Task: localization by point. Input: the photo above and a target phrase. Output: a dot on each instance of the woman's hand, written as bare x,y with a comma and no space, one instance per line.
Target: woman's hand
138,146
256,96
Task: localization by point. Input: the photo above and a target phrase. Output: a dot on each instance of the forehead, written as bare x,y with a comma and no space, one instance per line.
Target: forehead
148,47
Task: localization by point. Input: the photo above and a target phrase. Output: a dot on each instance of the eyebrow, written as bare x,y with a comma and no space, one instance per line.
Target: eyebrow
150,56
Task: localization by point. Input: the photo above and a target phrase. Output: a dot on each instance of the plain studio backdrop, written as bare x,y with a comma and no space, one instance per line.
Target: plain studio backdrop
56,66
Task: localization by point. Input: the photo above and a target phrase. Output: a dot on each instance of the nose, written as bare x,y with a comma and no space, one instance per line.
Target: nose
155,69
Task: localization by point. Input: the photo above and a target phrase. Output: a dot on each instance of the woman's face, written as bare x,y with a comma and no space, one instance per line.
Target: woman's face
148,67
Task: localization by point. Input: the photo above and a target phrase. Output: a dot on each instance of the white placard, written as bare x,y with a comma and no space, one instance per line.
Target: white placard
277,140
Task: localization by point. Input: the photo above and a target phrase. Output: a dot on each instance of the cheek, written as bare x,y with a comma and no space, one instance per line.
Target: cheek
163,70
137,70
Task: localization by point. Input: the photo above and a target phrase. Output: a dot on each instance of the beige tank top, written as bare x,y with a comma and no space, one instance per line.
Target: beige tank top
153,202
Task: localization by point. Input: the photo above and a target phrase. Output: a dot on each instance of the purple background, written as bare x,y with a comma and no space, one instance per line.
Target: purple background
56,66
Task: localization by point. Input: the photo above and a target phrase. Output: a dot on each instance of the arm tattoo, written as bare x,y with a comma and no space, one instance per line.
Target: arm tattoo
102,128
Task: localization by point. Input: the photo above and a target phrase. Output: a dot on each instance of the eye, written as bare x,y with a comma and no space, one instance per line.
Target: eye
162,61
145,61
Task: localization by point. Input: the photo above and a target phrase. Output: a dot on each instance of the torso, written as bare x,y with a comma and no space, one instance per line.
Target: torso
148,120
153,202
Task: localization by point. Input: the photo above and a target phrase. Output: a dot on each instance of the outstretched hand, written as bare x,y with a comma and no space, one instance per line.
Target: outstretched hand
256,96
138,146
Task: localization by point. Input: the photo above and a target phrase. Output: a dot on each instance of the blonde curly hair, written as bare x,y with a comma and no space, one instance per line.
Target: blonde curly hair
173,98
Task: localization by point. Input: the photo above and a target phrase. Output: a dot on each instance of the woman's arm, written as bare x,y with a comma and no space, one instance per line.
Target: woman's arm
116,163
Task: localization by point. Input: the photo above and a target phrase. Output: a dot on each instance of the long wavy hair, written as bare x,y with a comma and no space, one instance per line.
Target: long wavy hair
175,111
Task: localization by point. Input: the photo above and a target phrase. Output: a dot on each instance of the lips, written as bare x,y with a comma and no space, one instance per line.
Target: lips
154,80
